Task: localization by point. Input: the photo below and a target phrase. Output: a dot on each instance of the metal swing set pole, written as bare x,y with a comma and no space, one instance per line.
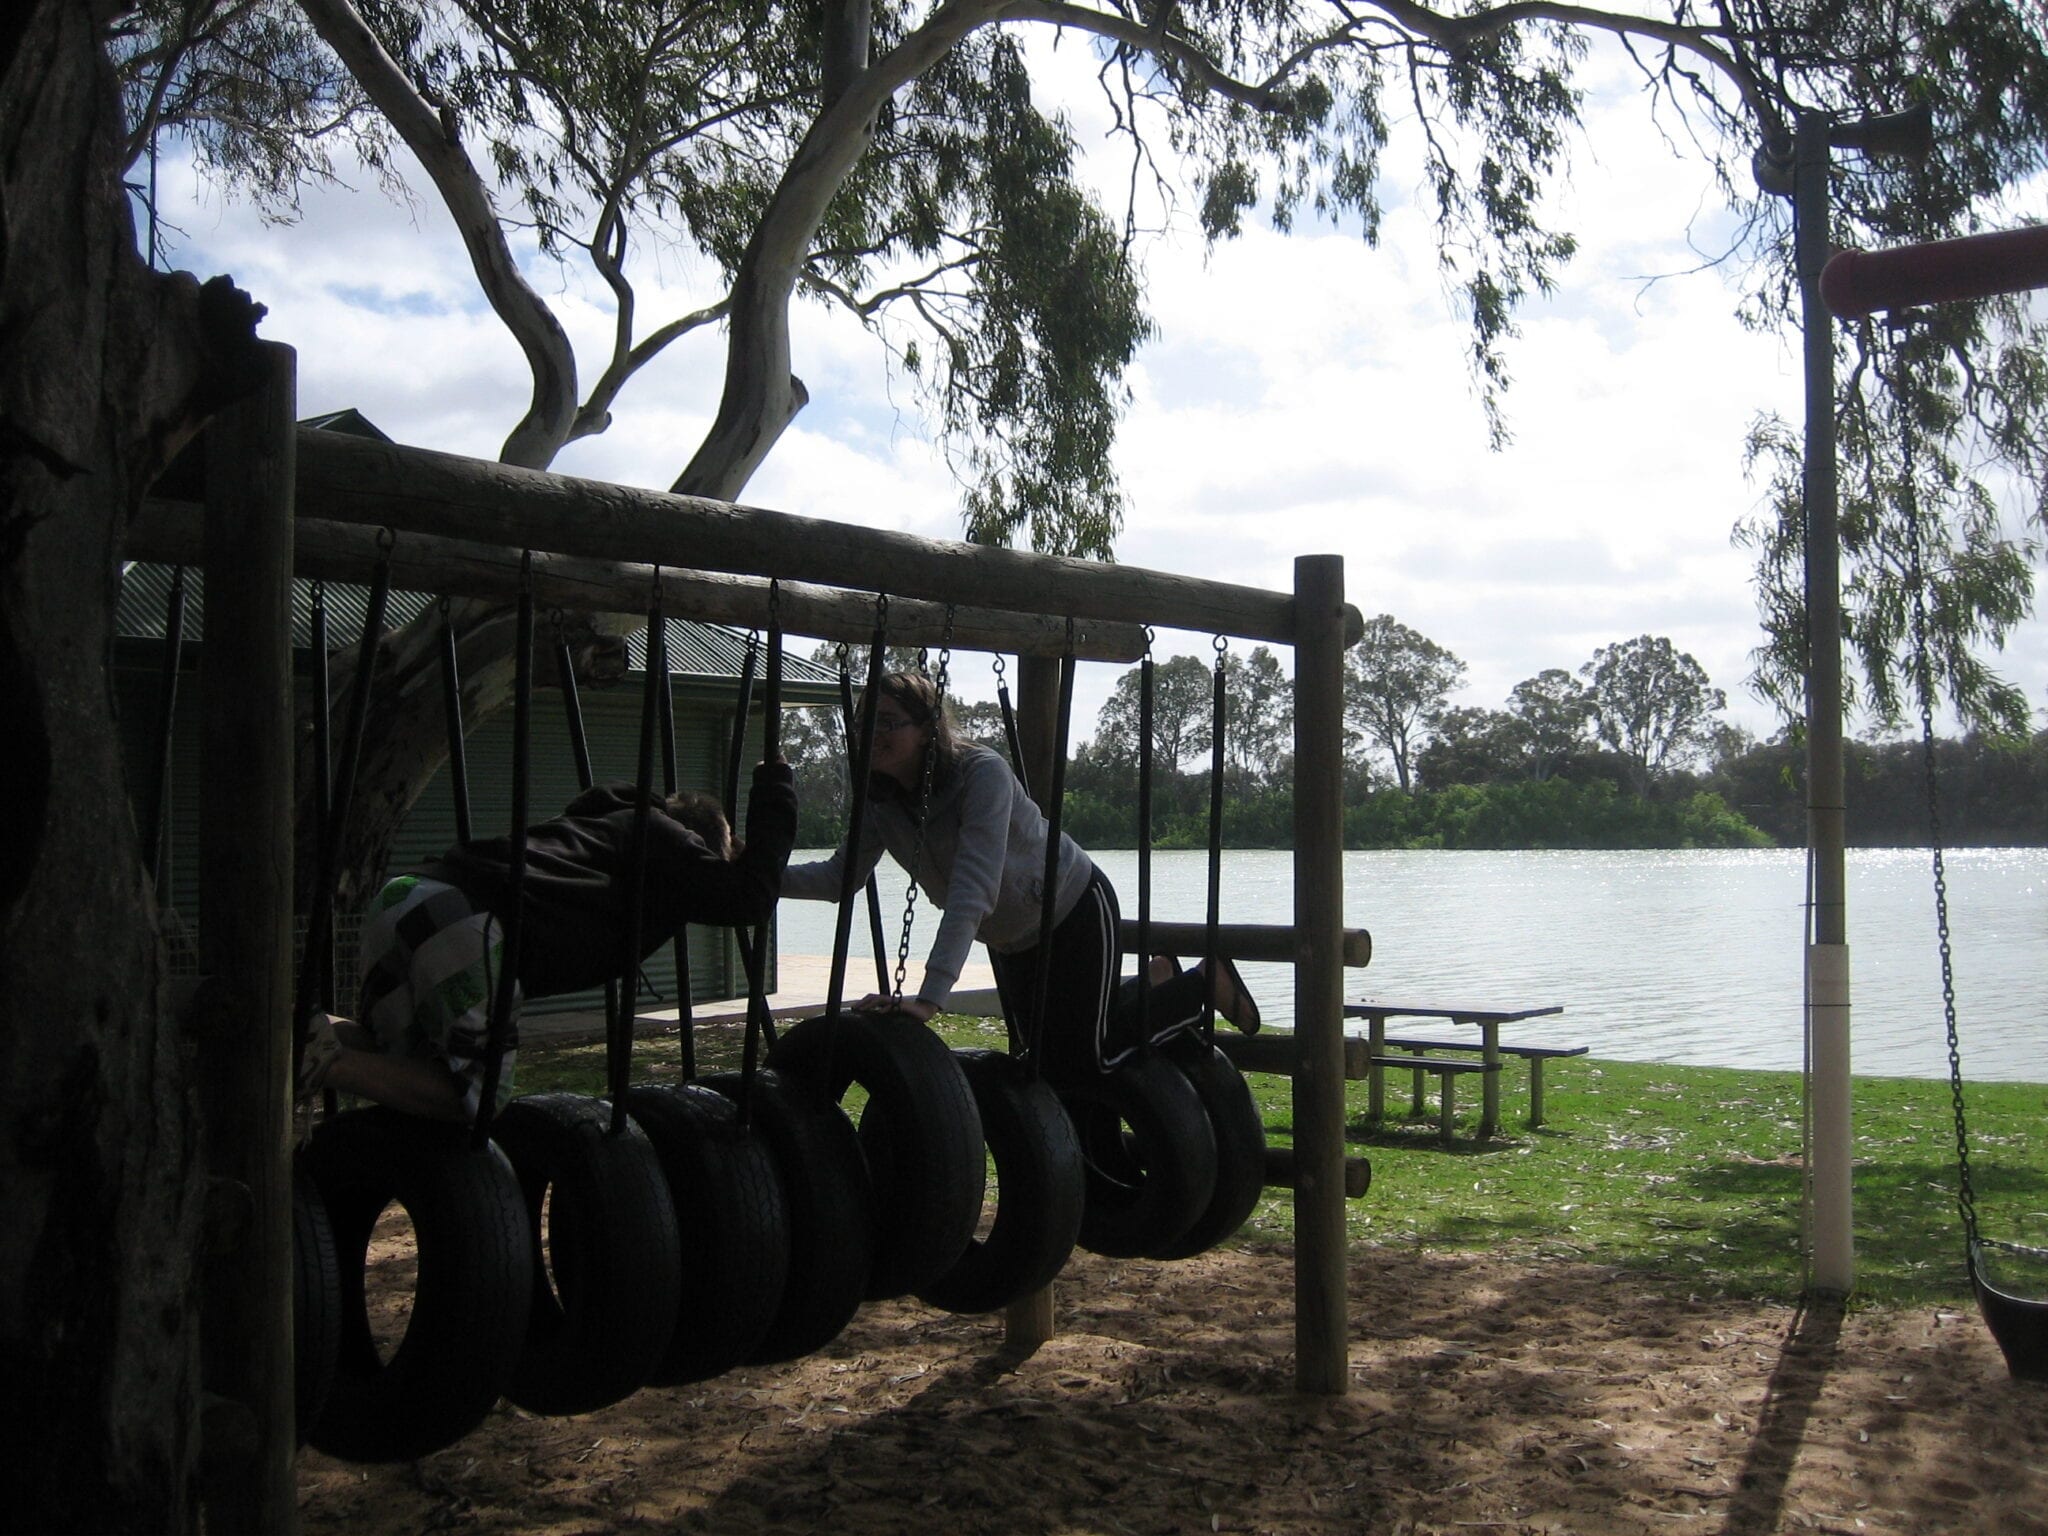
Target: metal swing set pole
1830,1230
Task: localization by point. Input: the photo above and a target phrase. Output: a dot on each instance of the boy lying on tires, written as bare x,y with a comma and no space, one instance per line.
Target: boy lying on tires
432,941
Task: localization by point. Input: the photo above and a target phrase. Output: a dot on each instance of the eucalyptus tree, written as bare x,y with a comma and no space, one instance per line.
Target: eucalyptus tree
1182,690
896,160
1653,703
1259,699
1474,746
1555,715
1396,685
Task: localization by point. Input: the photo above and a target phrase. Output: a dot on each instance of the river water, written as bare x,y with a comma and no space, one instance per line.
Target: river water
1685,957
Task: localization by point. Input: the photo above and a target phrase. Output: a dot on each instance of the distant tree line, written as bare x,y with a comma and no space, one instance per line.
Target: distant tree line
1628,751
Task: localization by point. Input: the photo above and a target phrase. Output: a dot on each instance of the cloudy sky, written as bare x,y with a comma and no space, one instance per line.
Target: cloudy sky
1306,393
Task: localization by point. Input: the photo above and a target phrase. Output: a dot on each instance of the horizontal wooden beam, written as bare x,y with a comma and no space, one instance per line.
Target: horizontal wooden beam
357,480
1240,941
169,531
1280,1172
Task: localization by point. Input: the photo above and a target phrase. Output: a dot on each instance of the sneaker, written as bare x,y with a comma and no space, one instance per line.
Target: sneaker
1234,999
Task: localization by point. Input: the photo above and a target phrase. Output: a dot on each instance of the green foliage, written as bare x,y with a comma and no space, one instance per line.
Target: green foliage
1939,414
253,91
1548,813
1993,791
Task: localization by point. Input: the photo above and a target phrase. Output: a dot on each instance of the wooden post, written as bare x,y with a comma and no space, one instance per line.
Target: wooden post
1028,1321
1321,1329
244,1049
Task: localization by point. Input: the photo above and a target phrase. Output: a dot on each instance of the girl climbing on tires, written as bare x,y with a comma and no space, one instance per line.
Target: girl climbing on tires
980,858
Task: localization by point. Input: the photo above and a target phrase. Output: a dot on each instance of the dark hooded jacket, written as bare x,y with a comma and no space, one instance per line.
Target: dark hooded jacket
574,920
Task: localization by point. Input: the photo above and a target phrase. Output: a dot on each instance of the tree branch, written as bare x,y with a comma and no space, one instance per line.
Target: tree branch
541,432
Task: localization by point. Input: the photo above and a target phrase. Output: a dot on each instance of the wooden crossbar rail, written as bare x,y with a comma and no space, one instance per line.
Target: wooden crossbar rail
169,531
414,490
1240,941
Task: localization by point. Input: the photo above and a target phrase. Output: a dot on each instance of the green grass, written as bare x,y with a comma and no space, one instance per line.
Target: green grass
1681,1171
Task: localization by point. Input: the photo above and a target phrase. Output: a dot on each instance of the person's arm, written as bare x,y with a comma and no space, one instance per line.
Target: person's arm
975,879
741,890
819,880
414,1085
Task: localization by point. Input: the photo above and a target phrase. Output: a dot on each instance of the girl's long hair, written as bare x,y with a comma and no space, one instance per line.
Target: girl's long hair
918,697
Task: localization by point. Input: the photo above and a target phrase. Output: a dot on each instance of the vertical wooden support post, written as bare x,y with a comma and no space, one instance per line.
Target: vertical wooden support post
1028,1321
1321,1330
245,903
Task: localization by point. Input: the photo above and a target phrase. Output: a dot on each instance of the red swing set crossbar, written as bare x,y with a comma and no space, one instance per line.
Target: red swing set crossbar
1858,283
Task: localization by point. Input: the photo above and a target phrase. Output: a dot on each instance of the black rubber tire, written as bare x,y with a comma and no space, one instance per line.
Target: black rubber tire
316,1301
919,1131
1149,1153
1040,1189
1240,1144
608,1267
470,1300
732,1224
831,1210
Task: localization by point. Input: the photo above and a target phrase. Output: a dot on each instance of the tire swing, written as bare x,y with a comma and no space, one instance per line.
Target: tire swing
1226,1097
316,1302
606,1256
1031,1147
1147,1151
920,1133
829,1203
1040,1189
732,1222
2018,1322
472,1277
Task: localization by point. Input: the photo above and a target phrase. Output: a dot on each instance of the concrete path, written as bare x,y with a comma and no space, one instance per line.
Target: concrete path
803,981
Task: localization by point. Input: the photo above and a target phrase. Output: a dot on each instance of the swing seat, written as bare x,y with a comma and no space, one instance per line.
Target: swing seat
2018,1324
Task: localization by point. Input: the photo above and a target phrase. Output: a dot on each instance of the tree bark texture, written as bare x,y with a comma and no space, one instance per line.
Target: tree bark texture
105,369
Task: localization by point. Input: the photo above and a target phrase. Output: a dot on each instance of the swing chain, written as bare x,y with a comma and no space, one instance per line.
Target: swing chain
1923,679
924,799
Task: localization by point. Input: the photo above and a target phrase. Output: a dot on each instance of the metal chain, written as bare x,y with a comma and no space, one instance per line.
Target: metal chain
924,800
1923,677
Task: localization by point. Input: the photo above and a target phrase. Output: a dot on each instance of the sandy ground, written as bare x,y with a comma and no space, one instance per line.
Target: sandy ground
1486,1395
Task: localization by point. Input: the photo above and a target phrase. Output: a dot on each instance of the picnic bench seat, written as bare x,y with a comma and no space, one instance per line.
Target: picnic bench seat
1448,1070
1377,1011
1535,1055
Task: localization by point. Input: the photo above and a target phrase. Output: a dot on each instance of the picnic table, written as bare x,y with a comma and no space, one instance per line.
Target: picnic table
1380,1047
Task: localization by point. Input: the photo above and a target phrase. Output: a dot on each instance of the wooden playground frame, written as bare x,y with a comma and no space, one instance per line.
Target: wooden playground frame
280,501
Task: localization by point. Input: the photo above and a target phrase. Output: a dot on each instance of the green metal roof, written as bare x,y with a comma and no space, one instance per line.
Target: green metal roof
709,651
